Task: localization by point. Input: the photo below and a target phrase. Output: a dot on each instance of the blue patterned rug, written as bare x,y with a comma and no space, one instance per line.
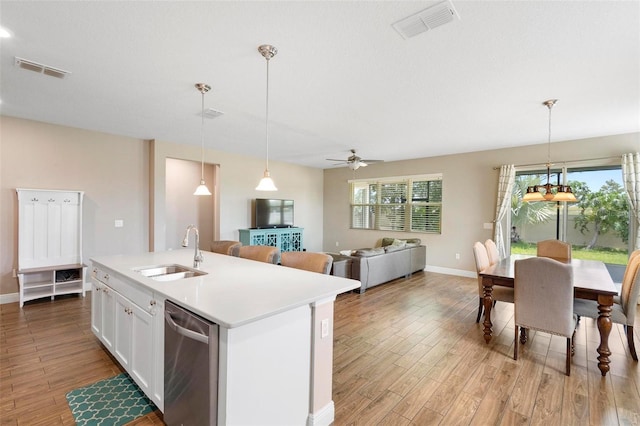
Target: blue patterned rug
109,402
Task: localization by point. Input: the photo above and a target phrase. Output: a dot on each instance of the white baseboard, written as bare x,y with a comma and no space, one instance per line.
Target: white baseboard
9,298
324,416
451,271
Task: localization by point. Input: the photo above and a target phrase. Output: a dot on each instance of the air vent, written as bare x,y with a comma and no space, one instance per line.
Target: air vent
26,64
425,20
212,113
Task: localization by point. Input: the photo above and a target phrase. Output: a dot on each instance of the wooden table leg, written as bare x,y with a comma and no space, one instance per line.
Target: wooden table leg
604,327
488,304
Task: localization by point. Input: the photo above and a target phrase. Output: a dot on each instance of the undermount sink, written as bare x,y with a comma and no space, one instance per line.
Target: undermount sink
169,272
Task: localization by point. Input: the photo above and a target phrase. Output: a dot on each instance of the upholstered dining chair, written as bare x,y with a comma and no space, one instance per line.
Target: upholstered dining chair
492,251
555,249
624,306
231,248
503,294
544,300
267,254
314,262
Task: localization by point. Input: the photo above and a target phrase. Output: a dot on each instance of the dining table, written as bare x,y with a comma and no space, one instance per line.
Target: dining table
591,280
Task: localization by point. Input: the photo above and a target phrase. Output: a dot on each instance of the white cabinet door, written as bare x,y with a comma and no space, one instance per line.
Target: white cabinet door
108,317
122,340
96,308
142,348
33,232
157,391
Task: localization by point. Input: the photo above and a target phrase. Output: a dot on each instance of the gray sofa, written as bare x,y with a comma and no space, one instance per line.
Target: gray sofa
379,265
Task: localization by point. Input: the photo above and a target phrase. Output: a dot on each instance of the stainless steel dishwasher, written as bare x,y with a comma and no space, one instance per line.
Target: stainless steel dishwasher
190,368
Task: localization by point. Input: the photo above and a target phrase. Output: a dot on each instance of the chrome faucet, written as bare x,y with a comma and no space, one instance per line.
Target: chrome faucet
197,257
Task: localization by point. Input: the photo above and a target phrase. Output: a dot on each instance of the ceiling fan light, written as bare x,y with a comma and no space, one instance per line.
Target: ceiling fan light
354,165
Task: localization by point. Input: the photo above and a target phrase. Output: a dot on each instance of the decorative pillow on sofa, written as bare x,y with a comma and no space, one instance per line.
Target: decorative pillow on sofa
410,242
368,252
393,247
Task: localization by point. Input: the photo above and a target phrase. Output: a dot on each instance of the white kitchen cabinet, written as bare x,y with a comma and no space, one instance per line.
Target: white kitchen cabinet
49,243
122,341
108,317
142,356
130,326
96,308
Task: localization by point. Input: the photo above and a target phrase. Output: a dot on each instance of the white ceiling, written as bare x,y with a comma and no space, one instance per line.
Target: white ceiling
343,77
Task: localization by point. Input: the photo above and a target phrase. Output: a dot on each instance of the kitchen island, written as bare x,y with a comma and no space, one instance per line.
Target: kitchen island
275,330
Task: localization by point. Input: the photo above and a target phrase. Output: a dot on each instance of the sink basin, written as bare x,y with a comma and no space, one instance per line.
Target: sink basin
169,272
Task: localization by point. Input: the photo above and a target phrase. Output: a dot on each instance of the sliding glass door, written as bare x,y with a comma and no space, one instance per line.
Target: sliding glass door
597,226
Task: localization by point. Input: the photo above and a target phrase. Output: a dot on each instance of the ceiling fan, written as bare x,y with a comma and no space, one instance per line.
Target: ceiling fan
354,162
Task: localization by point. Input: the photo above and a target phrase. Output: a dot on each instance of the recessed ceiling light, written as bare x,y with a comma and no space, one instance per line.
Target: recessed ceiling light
4,33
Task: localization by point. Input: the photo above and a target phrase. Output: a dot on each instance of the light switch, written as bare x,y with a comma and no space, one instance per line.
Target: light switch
324,325
119,223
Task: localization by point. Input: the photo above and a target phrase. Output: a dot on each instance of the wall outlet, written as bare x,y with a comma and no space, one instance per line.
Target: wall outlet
324,328
488,225
457,256
15,273
119,223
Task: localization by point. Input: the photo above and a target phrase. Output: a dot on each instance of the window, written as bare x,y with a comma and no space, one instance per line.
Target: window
410,204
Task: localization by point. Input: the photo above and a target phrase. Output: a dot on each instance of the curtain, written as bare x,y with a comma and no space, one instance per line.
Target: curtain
503,204
631,178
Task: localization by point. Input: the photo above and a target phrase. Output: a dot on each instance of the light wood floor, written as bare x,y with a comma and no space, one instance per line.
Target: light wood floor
407,352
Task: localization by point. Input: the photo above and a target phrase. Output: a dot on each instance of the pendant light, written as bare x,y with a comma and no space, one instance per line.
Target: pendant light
266,183
563,192
202,188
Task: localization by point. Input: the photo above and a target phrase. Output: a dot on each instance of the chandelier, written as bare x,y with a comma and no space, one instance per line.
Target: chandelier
546,192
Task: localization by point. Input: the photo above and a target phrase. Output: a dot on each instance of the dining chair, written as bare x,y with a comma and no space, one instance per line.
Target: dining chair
555,249
314,262
228,247
503,294
624,306
544,300
267,254
492,251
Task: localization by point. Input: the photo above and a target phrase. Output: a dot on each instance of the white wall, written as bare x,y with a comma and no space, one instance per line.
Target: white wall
183,209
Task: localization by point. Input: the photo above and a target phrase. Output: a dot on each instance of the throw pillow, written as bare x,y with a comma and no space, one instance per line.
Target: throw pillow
368,252
399,243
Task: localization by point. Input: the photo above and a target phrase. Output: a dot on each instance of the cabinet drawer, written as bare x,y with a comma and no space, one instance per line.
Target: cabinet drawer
136,294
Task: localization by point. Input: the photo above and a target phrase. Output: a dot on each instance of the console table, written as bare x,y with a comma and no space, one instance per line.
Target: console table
286,239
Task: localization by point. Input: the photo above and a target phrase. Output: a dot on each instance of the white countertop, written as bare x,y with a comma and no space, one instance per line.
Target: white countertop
234,291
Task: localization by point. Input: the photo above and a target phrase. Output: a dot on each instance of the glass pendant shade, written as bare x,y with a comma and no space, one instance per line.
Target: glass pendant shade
202,189
266,183
532,195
